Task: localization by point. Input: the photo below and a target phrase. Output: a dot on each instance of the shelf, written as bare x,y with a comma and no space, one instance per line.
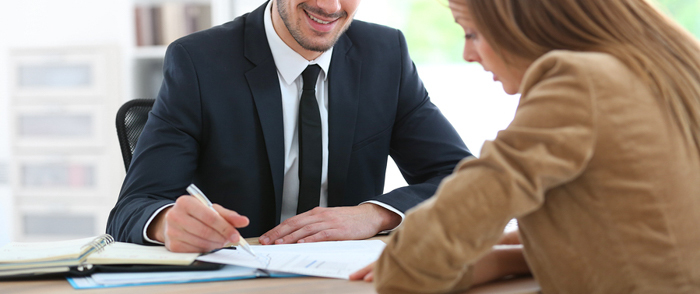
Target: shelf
150,52
160,21
156,2
63,101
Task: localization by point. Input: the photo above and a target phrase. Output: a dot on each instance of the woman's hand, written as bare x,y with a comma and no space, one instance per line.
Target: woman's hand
510,238
498,263
366,274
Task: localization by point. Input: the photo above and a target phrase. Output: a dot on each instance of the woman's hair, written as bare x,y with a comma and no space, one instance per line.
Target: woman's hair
649,43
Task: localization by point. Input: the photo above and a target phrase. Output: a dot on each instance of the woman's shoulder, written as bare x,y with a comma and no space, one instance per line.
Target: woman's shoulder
571,60
583,57
583,67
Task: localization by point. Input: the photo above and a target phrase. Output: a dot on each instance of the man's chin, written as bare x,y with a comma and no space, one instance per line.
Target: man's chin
319,49
316,46
319,45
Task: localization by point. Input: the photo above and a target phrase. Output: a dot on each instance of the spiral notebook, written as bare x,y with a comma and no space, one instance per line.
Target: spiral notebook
83,256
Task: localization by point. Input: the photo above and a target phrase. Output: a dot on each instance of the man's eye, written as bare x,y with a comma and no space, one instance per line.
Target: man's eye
470,36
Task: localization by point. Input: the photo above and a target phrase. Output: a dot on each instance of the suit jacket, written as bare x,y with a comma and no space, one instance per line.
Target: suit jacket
217,122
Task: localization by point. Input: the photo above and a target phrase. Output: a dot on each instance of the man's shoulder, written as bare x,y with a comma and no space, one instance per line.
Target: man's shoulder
230,31
361,32
363,26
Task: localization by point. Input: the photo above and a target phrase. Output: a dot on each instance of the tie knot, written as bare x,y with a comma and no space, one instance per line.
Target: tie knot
309,75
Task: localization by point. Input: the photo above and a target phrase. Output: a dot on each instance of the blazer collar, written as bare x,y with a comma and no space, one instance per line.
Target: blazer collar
264,86
344,87
256,49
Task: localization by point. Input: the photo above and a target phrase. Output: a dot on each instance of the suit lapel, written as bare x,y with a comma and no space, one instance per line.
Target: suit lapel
264,85
343,92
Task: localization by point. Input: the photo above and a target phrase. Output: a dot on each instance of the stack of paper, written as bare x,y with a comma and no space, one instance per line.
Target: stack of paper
323,259
336,259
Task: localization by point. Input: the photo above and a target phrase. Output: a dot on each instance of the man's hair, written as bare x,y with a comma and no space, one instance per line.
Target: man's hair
651,44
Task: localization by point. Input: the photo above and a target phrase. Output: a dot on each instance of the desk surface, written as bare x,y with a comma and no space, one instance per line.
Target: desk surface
264,285
260,285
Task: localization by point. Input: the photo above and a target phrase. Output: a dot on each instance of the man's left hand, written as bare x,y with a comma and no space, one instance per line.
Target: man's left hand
333,224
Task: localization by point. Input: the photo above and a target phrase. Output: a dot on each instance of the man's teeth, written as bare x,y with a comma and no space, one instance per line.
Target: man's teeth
317,20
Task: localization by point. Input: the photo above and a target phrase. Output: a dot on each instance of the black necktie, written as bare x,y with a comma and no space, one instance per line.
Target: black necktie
310,153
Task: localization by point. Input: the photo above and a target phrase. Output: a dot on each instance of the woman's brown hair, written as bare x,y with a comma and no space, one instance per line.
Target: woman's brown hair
651,44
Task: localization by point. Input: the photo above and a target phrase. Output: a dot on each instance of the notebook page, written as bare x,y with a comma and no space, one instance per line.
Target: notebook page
127,253
42,251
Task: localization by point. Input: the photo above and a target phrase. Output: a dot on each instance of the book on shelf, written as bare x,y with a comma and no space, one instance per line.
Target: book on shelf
164,23
197,18
89,255
173,21
144,26
157,25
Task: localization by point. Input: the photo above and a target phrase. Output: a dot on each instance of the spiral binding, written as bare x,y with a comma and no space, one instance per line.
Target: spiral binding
96,245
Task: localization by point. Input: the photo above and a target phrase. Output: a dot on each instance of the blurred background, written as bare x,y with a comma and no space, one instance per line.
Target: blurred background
67,65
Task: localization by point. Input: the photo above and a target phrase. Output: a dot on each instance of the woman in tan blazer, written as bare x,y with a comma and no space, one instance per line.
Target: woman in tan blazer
601,164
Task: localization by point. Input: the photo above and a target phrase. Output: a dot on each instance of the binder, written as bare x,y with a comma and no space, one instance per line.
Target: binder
226,273
82,257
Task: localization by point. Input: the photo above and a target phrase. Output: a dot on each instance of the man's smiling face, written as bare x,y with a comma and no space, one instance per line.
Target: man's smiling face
316,24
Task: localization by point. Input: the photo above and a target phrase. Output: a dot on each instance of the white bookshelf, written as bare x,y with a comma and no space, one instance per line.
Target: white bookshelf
60,165
64,168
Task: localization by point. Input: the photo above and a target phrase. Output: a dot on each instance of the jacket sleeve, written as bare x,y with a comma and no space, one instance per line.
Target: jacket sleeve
165,157
549,143
424,145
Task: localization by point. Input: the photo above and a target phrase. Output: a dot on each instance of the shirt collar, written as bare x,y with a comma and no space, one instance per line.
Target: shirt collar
289,63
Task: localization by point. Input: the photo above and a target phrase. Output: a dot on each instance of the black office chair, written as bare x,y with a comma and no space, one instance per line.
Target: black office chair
131,118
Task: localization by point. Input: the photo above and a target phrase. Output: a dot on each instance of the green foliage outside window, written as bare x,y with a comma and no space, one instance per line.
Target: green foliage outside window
433,36
686,12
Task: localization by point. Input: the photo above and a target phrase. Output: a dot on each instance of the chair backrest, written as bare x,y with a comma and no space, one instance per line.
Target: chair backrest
131,118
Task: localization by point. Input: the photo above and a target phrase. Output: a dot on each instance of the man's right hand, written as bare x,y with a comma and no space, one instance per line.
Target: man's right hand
190,226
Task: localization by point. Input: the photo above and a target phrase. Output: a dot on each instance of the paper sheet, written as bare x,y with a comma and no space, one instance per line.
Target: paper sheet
337,259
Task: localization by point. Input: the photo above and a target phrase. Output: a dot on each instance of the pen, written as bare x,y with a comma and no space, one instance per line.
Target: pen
194,191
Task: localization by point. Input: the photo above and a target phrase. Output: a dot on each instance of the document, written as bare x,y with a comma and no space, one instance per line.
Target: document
334,259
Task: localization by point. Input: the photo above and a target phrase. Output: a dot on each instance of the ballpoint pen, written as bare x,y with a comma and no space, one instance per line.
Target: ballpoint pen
194,191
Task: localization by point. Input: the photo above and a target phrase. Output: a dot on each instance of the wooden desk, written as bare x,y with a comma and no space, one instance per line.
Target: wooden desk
260,285
263,285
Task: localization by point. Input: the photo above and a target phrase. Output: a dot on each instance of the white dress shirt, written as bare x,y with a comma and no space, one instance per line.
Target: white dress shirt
290,65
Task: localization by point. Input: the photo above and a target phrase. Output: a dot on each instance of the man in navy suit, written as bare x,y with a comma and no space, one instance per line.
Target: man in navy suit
226,119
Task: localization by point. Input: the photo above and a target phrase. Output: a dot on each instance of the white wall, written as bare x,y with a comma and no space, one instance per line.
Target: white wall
53,23
467,95
475,105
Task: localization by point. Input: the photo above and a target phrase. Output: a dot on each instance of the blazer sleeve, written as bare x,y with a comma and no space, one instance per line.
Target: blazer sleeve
166,154
424,145
549,143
